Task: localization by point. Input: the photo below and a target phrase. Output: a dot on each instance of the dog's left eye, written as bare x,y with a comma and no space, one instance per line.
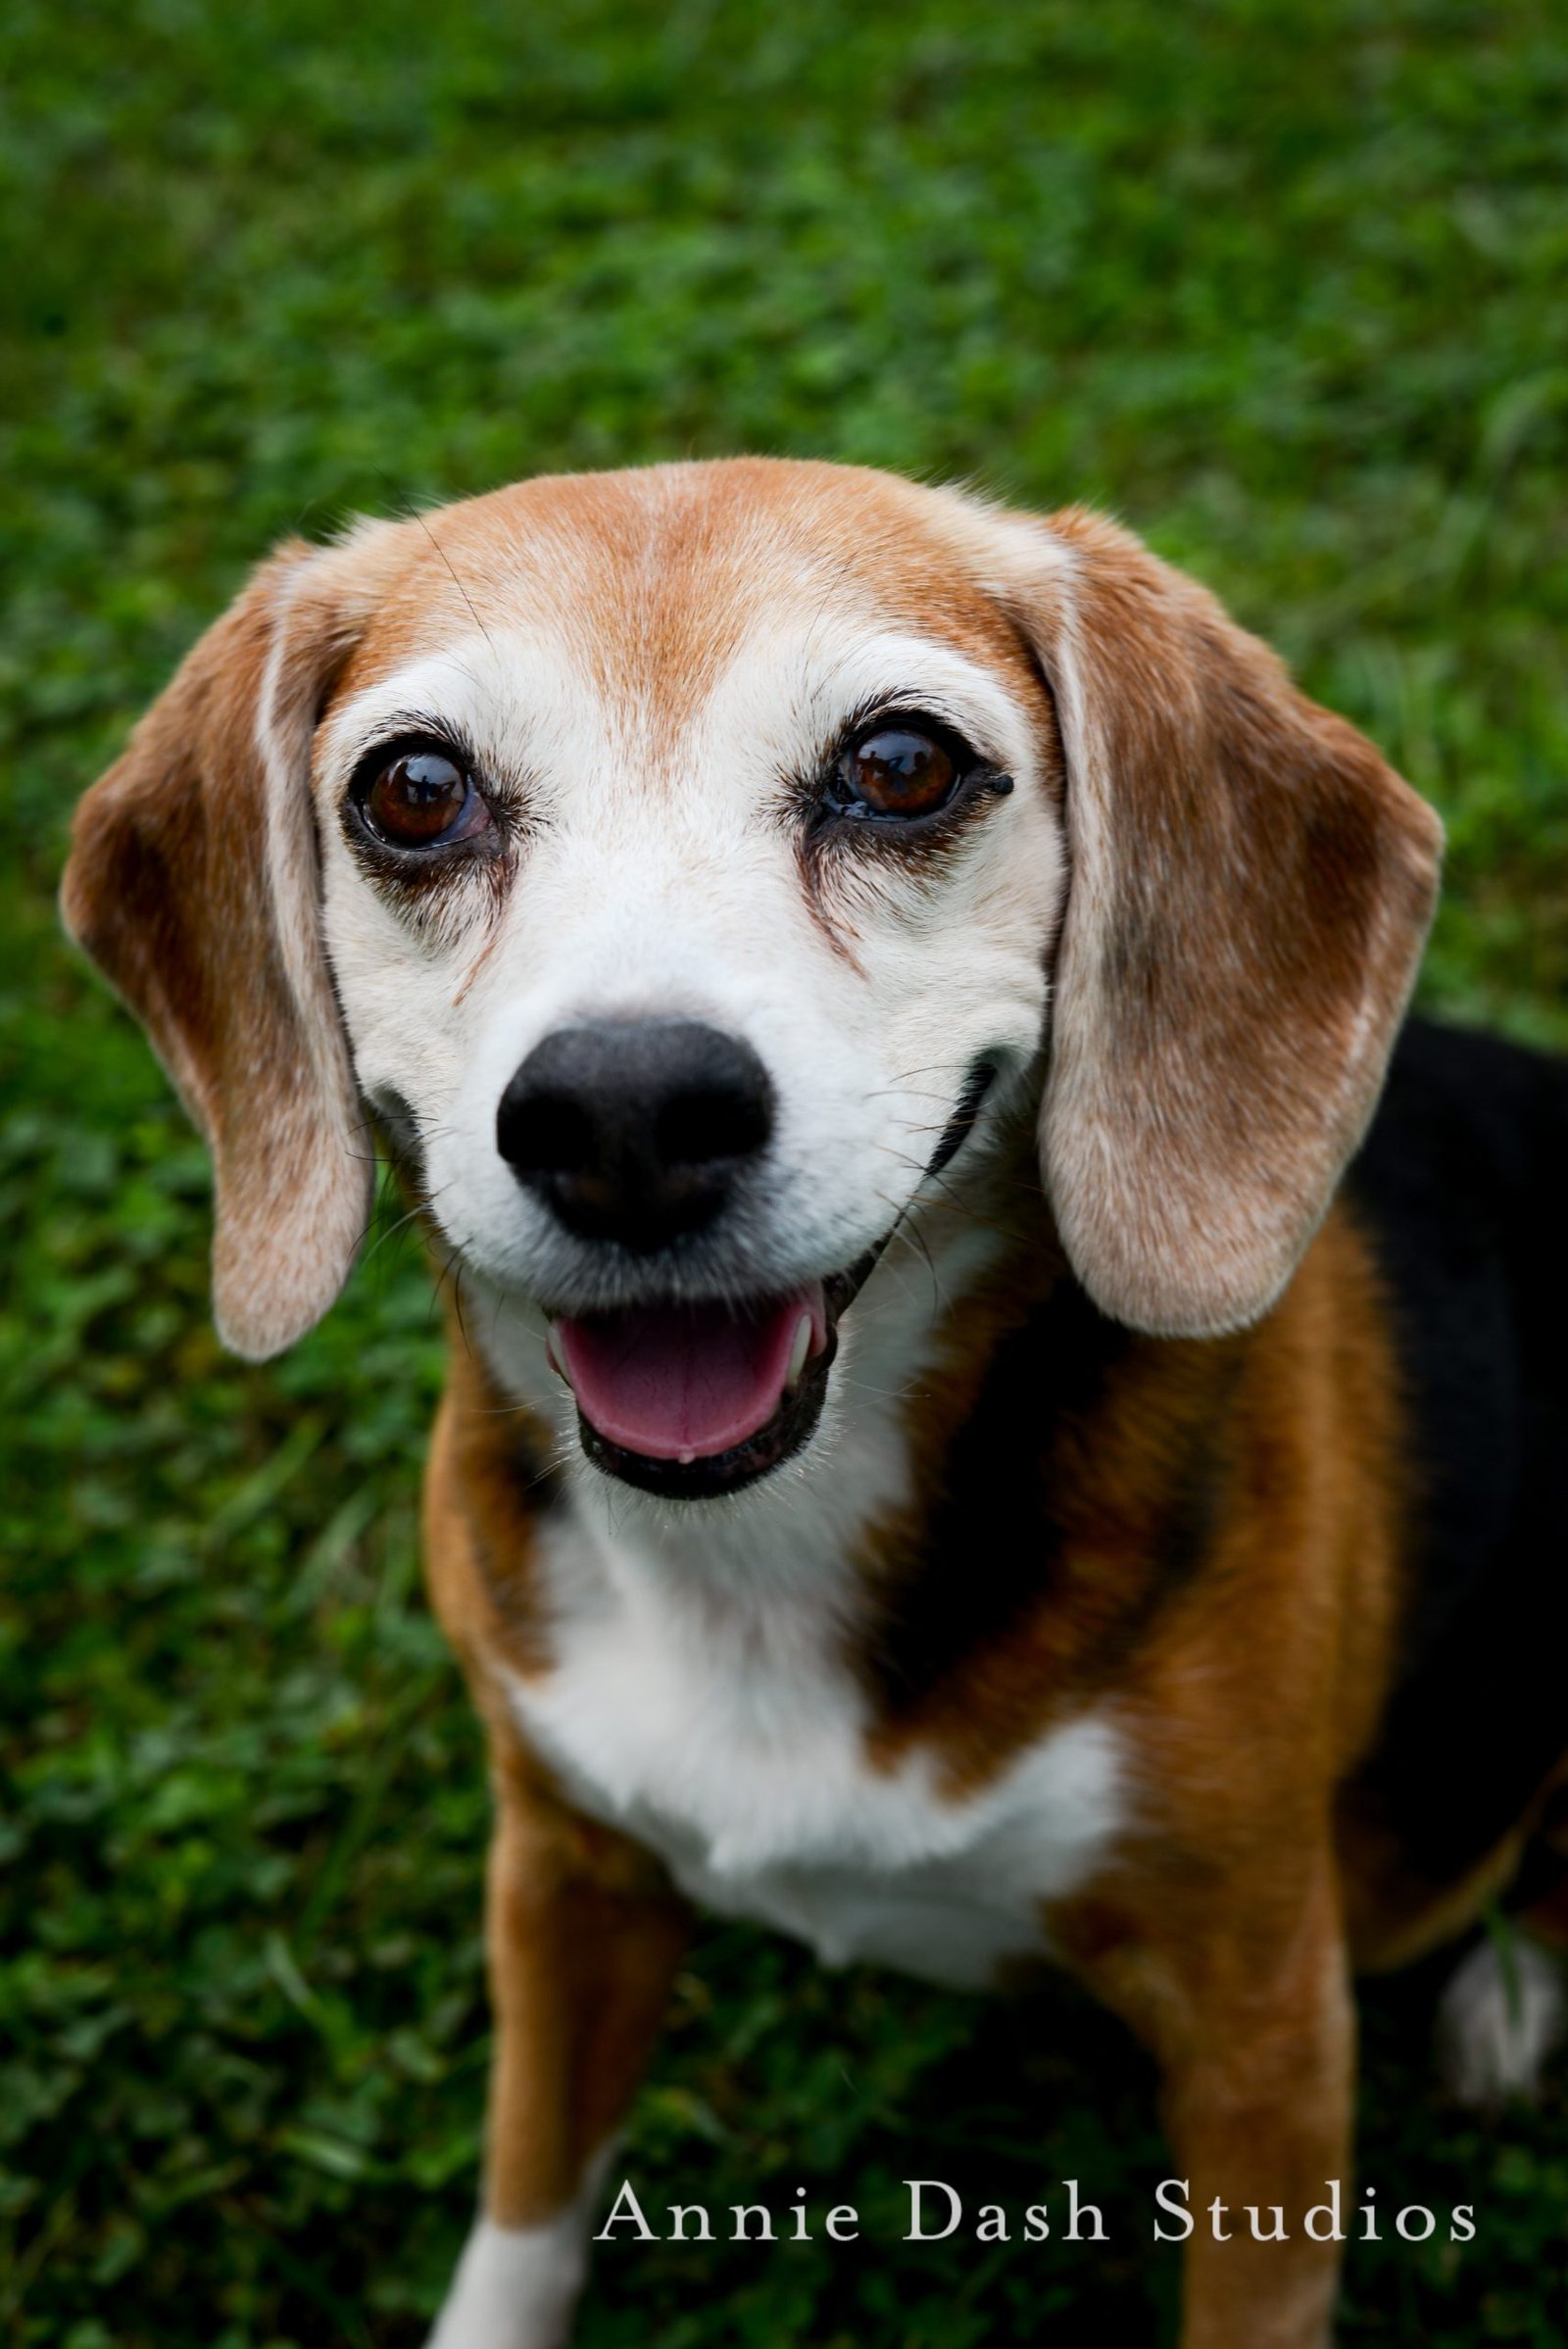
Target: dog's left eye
899,771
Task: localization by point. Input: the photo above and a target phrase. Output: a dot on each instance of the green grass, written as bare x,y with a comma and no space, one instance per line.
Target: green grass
1284,285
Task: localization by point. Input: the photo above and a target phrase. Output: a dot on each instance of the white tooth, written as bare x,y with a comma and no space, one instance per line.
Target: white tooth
552,1356
686,1458
799,1351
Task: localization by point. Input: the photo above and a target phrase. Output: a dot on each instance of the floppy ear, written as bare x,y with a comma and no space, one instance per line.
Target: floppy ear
192,883
1249,892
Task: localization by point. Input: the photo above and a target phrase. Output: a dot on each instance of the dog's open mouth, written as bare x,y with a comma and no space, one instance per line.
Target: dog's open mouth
692,1400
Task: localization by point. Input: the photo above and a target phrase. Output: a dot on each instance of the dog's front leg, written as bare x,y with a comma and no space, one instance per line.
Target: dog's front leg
1246,2006
582,1938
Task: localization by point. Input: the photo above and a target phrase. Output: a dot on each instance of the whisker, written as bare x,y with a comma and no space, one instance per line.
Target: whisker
411,514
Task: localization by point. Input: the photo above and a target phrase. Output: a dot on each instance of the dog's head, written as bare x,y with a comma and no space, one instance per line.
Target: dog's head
687,864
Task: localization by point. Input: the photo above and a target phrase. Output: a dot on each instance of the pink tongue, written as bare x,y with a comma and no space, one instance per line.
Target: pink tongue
683,1381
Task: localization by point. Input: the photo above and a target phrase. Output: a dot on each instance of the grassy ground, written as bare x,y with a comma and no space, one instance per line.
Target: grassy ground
1281,285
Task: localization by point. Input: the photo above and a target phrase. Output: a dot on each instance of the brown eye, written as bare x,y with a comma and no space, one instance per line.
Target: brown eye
899,772
422,798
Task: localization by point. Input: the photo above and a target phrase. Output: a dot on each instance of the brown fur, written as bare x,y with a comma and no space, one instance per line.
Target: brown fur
582,1930
228,974
1248,878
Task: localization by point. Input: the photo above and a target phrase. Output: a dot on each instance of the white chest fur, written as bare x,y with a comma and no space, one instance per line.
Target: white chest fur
709,1715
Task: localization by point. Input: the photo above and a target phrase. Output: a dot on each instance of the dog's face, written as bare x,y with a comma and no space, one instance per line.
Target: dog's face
689,865
689,870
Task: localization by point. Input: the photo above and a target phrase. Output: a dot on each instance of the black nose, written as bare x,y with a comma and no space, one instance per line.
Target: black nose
635,1130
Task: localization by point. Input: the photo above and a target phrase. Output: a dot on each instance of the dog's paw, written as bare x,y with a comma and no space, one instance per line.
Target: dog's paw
515,2289
1500,2016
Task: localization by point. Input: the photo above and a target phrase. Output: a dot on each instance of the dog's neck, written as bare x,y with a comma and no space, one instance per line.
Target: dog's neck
995,1452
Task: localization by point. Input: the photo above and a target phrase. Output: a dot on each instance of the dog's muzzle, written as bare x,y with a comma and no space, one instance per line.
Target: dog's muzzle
637,1133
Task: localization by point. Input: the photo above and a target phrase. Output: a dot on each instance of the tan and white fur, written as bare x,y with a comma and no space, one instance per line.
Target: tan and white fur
1182,944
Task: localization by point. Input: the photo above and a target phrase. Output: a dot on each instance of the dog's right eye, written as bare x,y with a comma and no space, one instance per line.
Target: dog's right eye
421,798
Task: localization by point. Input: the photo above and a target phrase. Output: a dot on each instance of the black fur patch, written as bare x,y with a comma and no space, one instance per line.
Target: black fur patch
1462,1191
1008,1527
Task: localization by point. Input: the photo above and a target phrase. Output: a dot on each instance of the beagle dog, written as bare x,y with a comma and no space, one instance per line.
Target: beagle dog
874,996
